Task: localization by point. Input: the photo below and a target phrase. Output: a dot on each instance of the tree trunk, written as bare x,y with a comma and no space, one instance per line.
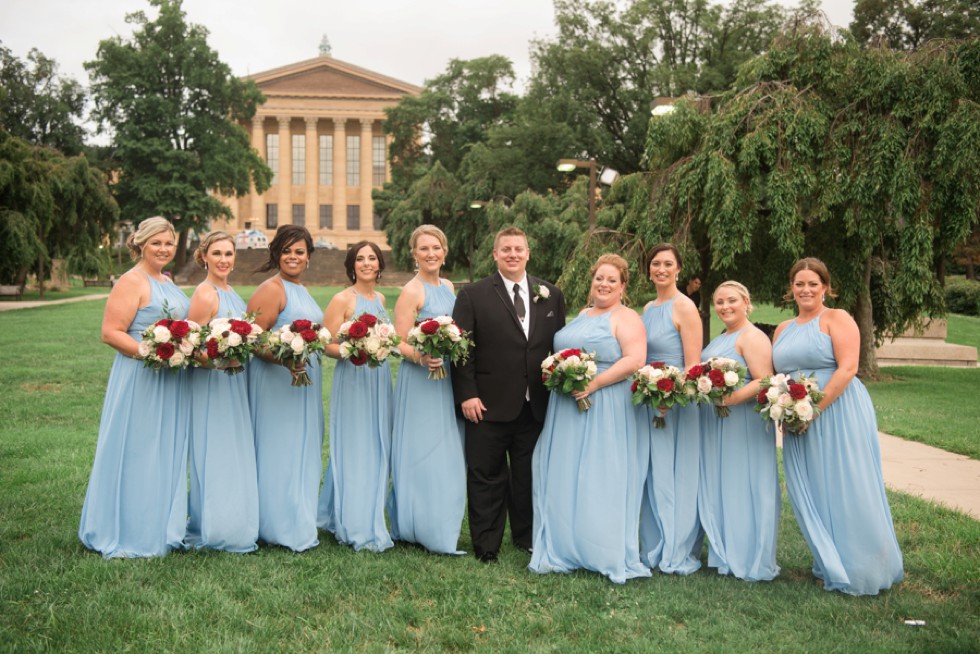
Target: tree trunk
181,258
971,272
40,276
868,358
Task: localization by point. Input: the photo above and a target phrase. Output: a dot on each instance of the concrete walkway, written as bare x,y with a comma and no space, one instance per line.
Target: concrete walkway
952,480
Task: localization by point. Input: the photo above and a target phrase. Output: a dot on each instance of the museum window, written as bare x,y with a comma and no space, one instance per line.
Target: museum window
299,159
353,217
272,155
326,216
326,160
271,216
299,215
353,161
378,160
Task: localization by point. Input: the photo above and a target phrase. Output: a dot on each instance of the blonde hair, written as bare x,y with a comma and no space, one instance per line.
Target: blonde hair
146,230
740,289
617,262
428,230
207,242
508,231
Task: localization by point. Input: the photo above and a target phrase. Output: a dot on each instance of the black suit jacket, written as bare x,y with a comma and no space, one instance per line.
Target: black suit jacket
504,363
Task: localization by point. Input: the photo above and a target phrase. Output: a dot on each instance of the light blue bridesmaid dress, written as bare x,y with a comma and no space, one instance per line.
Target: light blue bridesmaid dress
224,496
670,534
739,498
428,470
136,503
833,475
588,471
288,425
352,500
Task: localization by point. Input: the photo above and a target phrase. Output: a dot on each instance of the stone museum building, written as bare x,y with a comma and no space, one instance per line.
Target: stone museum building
320,132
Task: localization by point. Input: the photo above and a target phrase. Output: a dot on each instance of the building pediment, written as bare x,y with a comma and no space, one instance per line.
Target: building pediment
325,76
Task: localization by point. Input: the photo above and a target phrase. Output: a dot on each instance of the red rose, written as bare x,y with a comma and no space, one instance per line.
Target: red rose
429,327
165,351
241,328
571,352
695,372
212,346
300,325
164,322
763,398
357,330
634,386
180,328
308,335
658,364
665,385
368,319
797,391
544,377
717,377
360,358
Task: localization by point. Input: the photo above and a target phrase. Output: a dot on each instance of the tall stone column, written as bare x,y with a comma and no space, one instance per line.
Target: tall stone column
367,220
256,211
312,179
340,174
285,172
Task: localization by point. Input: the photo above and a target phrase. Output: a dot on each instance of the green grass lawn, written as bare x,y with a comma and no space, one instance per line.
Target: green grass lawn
57,596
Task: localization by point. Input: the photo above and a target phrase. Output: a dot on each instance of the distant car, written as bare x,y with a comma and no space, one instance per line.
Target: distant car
323,244
251,240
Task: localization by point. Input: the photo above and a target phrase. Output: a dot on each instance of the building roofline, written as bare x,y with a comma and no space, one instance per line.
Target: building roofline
336,64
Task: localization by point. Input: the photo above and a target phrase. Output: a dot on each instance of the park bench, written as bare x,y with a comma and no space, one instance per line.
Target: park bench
87,283
10,290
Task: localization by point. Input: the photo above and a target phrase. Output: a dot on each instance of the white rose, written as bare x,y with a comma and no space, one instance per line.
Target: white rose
347,349
656,374
297,344
704,385
775,412
548,362
415,334
161,334
772,394
143,349
444,320
256,330
220,325
234,340
454,333
286,335
778,380
273,338
382,354
591,369
572,361
543,292
372,344
222,345
804,410
345,328
384,330
177,359
784,400
323,335
690,390
195,338
186,348
731,378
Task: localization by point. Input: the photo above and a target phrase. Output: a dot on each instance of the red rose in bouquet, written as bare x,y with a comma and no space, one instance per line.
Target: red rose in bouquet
300,325
797,391
368,319
357,329
180,328
660,387
429,327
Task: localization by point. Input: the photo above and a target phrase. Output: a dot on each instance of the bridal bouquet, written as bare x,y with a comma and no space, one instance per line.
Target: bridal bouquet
569,371
714,379
790,402
299,341
659,386
231,339
367,340
440,338
169,344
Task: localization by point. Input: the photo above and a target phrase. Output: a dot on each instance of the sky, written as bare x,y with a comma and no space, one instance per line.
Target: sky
410,40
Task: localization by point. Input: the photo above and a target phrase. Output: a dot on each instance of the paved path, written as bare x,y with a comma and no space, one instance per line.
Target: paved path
927,472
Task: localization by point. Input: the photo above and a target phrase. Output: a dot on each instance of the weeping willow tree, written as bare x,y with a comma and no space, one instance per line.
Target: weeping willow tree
866,158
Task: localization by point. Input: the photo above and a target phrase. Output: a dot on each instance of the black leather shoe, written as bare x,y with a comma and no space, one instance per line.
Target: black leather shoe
527,549
487,557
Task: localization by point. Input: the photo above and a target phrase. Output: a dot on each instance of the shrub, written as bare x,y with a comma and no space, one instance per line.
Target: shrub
963,297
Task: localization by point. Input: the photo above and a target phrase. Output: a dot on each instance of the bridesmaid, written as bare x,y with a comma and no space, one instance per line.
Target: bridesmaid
670,534
833,469
587,471
428,471
739,498
224,497
352,500
287,420
136,502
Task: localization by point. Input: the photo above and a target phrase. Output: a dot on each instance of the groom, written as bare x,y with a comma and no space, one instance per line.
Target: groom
513,319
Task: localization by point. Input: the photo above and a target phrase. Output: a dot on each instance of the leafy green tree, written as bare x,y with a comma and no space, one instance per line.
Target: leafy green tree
51,206
868,159
908,24
38,105
173,110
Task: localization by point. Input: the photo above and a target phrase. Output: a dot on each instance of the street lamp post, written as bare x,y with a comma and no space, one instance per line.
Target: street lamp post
567,166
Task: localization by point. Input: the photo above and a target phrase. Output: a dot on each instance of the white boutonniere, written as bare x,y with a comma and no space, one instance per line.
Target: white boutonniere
541,292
